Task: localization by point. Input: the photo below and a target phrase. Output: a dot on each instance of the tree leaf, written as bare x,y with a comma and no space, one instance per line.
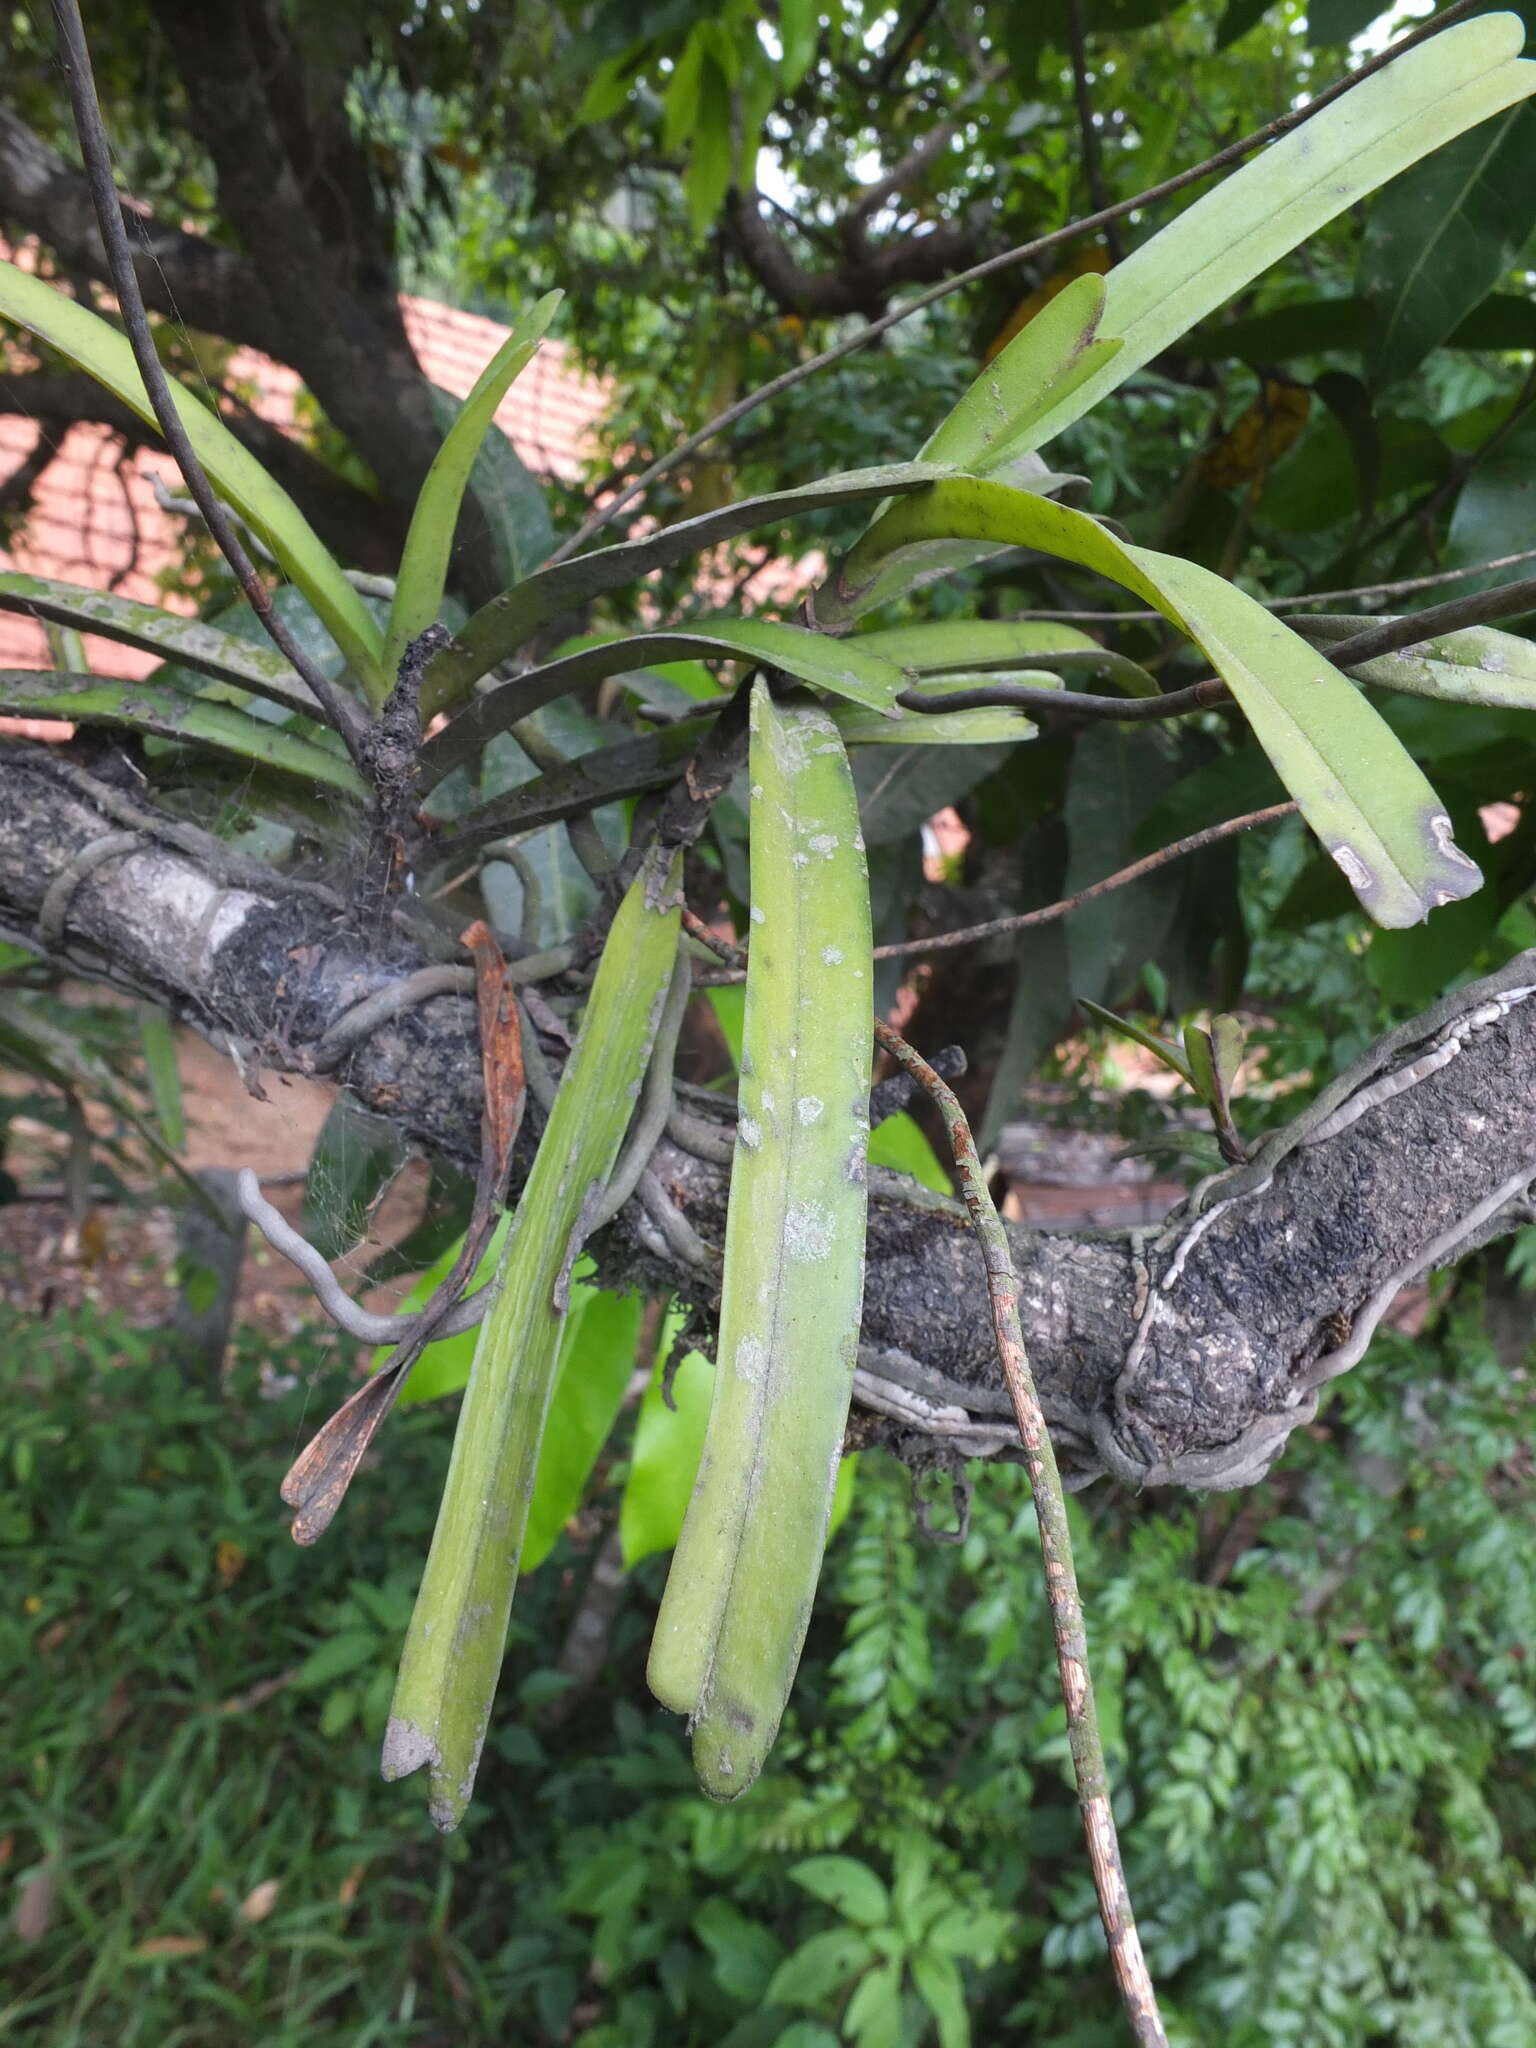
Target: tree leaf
937,1979
158,1038
1440,238
104,354
1338,21
1117,773
424,564
819,1967
597,1356
1494,503
665,1457
850,1886
1313,327
745,1954
1354,782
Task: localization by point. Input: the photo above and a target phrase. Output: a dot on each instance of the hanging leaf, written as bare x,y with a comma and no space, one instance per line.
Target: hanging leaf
739,1594
458,1631
1440,238
1354,782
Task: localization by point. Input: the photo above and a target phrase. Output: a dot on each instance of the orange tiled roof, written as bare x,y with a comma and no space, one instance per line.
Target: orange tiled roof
94,518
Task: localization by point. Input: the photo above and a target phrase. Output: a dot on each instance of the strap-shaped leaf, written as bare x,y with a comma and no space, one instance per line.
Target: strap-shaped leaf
428,545
605,776
1356,785
1031,379
844,668
1300,183
104,354
738,1600
987,726
501,627
250,665
1007,649
1478,665
458,1631
146,707
945,646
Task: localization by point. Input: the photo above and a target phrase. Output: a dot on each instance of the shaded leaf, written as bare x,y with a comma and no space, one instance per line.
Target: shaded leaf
1440,238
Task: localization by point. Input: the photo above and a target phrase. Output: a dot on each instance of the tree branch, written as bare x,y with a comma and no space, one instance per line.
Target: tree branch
1185,1362
869,276
182,276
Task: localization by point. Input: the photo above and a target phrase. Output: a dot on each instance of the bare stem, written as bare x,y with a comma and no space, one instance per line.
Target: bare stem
968,935
1125,1952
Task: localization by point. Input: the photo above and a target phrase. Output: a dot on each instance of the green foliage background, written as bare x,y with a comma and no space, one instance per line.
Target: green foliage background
1321,1726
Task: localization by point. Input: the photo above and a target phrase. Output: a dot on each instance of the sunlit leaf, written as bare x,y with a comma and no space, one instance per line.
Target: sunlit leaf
103,353
424,563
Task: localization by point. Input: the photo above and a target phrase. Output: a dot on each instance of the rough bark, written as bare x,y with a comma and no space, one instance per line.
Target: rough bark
1185,1356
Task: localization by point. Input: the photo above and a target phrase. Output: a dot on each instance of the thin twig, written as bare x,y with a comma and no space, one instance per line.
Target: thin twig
1093,156
1508,601
341,711
1406,587
735,956
968,935
1125,1953
1270,132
